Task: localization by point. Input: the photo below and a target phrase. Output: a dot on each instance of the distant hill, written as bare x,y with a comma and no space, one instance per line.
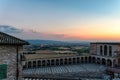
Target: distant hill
53,42
49,42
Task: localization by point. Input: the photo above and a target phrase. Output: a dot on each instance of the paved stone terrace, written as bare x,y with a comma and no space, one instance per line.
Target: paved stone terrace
80,70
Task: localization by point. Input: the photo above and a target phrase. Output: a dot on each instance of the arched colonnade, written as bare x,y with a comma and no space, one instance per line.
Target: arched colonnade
67,61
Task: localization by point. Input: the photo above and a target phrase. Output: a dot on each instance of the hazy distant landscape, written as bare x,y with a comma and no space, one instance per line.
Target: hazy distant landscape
53,42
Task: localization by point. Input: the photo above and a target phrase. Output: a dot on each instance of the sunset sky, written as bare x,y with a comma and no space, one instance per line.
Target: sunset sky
69,20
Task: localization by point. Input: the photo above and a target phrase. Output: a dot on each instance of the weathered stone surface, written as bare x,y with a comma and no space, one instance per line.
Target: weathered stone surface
8,56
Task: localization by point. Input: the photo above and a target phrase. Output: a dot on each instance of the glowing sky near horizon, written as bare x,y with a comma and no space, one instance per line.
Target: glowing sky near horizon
72,19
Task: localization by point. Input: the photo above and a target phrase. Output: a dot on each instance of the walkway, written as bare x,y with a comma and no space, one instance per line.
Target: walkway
80,70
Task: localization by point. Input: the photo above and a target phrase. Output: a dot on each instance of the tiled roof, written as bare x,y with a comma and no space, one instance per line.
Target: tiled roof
6,39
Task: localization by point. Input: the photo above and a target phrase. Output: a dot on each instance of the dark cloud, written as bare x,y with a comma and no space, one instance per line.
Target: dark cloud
9,29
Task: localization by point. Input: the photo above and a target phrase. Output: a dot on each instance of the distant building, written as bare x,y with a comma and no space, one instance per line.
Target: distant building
106,53
103,53
10,57
104,58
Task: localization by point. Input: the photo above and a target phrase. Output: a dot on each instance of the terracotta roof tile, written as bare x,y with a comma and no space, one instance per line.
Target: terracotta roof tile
6,39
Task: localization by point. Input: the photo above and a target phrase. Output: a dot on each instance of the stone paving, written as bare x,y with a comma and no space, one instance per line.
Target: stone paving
81,70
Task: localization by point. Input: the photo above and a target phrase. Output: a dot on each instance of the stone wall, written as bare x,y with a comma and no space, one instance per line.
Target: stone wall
93,48
8,56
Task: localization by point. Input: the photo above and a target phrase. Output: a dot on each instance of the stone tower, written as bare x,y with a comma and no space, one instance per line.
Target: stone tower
10,57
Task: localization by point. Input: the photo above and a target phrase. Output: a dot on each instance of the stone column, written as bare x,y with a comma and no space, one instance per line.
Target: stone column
50,62
41,63
59,61
71,61
67,60
108,51
36,64
79,59
26,64
54,62
98,49
101,61
102,50
63,61
45,62
75,60
83,59
112,63
31,64
106,62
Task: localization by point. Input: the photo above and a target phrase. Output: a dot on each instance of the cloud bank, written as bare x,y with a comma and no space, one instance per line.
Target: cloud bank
31,34
9,29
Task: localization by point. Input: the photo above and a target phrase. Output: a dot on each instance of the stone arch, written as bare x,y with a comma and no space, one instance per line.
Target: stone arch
101,50
70,61
34,64
61,61
93,59
39,63
74,60
48,62
82,59
105,50
90,59
110,50
29,64
115,63
98,61
78,60
103,61
65,61
118,63
109,62
25,66
52,62
57,61
86,59
43,63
